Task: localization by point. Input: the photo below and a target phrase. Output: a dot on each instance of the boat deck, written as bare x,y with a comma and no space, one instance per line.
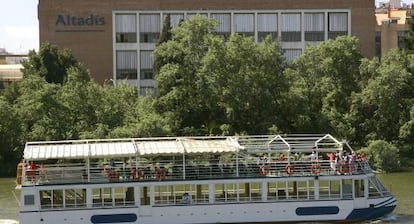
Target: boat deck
98,173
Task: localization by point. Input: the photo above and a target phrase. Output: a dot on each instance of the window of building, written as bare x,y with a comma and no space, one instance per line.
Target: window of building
149,28
290,27
378,43
224,26
244,24
175,19
266,25
147,91
338,24
126,28
126,65
146,63
402,38
314,26
291,54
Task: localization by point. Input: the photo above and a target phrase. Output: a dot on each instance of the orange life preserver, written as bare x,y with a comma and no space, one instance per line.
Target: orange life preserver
316,168
113,175
136,174
343,168
263,170
160,173
290,169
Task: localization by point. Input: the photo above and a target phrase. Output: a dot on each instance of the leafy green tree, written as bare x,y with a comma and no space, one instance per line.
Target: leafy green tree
50,63
383,156
10,138
382,109
165,36
322,81
409,40
246,79
178,94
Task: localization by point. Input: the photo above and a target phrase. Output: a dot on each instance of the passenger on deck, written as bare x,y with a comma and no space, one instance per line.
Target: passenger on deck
313,157
332,160
282,157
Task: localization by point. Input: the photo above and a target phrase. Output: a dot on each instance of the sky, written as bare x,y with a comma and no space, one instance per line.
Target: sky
19,26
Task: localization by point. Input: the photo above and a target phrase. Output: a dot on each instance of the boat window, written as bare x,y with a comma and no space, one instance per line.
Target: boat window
102,197
329,189
374,188
232,191
359,188
75,198
186,193
298,190
124,196
202,193
347,188
276,191
145,196
29,199
249,191
164,195
45,199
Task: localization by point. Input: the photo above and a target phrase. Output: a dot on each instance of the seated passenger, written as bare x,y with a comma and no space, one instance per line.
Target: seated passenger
186,199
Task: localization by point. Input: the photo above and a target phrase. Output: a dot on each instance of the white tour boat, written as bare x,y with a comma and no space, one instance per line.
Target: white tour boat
237,179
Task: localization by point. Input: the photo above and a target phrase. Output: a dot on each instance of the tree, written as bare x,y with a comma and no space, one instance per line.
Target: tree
178,94
409,40
246,80
10,138
322,81
384,104
383,156
164,37
49,63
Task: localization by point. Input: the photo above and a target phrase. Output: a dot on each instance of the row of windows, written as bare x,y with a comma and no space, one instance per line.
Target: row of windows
290,25
127,63
200,193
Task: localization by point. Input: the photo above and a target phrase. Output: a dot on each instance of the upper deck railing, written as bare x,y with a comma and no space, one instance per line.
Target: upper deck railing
184,158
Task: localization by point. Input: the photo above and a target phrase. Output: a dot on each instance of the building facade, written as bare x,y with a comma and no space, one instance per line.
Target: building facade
115,38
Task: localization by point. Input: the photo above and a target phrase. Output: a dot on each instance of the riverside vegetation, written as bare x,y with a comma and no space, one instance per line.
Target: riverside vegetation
208,85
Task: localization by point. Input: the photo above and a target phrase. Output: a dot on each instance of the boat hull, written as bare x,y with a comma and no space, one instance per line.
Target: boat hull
263,212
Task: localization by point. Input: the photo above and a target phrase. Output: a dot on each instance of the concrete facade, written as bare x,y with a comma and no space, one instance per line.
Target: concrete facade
87,27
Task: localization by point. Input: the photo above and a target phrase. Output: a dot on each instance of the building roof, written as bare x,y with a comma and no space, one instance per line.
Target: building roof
399,15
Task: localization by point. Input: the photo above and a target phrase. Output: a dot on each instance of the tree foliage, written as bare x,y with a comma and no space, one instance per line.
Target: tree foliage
211,86
50,63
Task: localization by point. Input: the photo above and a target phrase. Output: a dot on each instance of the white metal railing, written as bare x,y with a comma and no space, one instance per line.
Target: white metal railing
166,170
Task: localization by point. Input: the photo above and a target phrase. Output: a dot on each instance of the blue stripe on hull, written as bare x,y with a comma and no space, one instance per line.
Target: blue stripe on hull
114,218
321,210
370,213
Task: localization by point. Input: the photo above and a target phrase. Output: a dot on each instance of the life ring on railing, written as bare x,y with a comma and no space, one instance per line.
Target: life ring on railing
263,170
343,168
160,173
113,175
316,168
136,174
290,169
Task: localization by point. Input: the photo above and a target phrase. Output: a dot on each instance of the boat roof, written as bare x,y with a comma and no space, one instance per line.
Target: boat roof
132,147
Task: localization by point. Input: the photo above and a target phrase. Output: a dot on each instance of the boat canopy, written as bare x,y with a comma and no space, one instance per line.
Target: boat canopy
126,147
134,147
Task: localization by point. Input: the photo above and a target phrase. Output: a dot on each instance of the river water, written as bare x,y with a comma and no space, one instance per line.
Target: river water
401,186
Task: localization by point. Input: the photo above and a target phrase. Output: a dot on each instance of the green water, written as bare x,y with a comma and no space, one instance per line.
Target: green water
401,186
